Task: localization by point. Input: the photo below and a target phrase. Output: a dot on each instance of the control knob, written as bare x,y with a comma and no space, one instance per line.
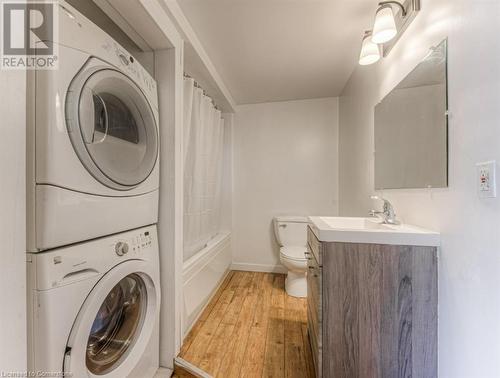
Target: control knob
121,248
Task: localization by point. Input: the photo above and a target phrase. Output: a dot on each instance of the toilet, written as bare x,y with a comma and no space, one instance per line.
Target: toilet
291,234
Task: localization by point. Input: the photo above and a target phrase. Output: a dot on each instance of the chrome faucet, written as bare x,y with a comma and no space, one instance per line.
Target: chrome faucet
388,215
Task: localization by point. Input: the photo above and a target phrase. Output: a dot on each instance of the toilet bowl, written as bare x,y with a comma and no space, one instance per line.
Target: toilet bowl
291,234
293,258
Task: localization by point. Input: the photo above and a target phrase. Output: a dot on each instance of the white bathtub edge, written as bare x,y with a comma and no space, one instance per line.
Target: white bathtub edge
202,275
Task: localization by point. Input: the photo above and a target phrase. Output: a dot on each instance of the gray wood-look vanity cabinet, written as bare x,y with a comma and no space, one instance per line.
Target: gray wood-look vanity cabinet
372,309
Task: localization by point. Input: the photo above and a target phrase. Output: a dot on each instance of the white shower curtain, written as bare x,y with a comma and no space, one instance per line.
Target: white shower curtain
203,159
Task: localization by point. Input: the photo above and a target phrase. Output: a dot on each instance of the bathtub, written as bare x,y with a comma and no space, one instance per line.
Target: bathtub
202,274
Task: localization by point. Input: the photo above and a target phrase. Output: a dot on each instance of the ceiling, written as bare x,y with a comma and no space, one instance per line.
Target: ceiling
277,50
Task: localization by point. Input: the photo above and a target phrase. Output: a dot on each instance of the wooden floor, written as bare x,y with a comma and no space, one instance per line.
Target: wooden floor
251,328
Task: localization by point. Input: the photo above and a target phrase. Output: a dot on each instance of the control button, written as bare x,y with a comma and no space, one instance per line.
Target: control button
121,248
124,59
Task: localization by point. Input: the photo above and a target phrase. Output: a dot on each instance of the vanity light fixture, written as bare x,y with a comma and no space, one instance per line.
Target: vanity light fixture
391,20
384,28
370,52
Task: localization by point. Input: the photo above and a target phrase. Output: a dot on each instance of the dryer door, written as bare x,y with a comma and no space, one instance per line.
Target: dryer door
112,127
115,323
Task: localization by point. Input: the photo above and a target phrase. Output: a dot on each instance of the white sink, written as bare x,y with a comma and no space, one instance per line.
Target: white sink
372,231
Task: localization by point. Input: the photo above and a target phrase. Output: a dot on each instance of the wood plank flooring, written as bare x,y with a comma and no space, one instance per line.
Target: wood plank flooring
251,328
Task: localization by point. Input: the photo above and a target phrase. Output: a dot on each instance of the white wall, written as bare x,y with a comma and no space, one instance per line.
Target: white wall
283,154
469,273
13,221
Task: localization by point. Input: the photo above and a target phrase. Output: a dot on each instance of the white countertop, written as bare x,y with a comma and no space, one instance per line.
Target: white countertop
371,231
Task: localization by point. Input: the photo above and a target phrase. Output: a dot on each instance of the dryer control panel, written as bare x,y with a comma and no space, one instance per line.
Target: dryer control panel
130,65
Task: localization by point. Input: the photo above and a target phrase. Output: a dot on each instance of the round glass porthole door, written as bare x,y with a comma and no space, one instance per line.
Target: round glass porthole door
112,127
116,325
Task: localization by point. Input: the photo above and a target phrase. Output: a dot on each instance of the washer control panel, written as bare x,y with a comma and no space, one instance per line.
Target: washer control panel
91,259
142,241
135,244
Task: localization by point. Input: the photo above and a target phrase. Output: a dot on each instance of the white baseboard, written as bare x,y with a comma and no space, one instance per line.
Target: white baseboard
258,268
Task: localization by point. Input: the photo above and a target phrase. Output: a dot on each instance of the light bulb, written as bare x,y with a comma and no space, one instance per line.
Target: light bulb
384,28
370,52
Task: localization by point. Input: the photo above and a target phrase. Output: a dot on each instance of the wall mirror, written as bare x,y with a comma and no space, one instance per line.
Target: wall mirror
411,128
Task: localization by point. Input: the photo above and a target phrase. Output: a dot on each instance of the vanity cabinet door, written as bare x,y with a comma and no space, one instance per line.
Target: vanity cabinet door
314,304
380,311
315,246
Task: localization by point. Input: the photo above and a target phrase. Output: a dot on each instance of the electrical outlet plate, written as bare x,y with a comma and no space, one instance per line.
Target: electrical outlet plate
486,179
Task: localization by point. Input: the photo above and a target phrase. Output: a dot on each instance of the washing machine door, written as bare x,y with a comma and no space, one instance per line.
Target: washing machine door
112,127
115,323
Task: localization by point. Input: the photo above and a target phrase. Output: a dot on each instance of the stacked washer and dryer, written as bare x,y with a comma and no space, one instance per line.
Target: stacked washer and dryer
93,264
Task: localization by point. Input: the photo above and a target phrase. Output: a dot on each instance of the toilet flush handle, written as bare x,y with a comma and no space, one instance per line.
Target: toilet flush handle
283,225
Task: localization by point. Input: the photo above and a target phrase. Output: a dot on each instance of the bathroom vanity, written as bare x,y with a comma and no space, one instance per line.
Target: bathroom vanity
372,298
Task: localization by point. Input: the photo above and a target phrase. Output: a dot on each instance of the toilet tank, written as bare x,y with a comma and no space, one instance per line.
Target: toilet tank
291,230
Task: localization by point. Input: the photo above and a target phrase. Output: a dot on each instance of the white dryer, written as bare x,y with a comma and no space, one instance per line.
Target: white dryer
94,307
93,140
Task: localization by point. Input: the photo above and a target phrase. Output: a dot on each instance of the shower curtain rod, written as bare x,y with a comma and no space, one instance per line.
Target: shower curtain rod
205,93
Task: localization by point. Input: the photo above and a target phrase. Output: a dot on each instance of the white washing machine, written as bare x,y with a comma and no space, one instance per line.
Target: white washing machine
94,307
92,140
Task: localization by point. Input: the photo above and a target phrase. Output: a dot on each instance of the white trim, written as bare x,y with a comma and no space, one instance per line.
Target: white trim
189,367
163,373
265,268
163,21
170,225
161,34
179,193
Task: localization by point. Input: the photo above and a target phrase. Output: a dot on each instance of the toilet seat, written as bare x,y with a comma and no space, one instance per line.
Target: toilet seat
294,253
